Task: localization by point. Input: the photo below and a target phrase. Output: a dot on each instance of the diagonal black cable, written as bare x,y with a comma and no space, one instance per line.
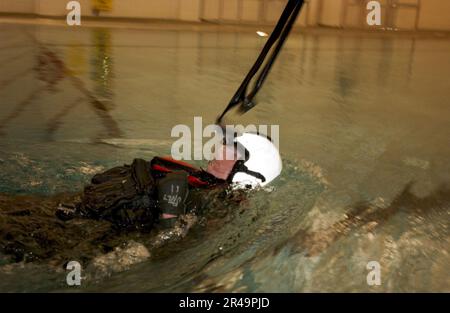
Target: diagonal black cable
279,35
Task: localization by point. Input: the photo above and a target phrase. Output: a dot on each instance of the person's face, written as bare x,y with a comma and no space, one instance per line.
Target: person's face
222,166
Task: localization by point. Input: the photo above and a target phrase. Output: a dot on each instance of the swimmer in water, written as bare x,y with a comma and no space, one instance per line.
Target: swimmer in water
138,197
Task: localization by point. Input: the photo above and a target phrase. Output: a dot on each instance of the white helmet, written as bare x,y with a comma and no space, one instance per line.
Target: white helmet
261,165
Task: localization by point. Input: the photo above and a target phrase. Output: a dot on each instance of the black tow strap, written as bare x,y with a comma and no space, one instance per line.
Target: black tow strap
279,35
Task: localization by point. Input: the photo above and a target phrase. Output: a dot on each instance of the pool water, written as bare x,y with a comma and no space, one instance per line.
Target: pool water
364,134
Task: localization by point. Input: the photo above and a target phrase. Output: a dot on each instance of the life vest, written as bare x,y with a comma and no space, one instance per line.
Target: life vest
197,178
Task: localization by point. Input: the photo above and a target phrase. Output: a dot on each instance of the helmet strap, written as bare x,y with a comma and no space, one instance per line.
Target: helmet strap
240,167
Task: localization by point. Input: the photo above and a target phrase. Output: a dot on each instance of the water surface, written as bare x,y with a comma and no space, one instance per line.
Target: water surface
364,133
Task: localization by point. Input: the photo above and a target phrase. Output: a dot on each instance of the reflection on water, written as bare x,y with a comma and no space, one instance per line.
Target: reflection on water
361,117
102,71
51,70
